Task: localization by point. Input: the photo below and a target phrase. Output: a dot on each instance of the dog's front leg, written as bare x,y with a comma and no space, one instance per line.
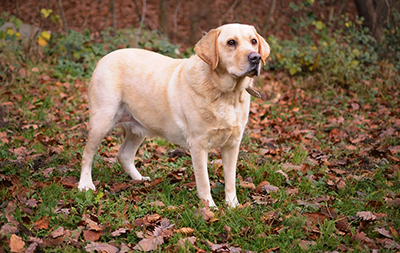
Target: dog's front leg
199,159
229,160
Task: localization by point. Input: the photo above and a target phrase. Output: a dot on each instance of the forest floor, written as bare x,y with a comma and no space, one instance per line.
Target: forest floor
319,170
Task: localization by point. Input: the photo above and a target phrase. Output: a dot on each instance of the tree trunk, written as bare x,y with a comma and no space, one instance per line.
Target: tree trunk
113,17
164,17
62,15
194,22
376,15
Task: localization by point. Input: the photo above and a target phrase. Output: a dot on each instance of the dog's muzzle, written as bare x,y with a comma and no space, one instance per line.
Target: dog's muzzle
254,58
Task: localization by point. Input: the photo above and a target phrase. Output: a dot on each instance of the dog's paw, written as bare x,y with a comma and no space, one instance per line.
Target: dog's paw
232,202
84,186
146,179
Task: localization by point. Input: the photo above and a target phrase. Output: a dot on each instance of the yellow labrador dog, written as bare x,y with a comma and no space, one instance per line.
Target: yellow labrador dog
198,103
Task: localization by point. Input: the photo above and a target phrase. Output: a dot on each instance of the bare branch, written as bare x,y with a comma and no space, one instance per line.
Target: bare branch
62,14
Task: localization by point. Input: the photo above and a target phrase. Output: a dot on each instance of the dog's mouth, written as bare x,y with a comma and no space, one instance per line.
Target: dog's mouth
255,71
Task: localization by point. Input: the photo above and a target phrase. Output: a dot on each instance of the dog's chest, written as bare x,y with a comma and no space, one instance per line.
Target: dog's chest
228,122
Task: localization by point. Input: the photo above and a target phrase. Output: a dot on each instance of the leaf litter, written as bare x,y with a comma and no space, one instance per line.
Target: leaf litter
349,144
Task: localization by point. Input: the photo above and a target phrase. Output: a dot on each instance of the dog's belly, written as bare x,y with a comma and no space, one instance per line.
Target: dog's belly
170,133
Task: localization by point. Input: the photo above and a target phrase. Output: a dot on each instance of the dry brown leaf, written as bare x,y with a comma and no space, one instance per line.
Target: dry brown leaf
383,232
305,244
342,223
31,203
92,225
157,203
153,218
148,244
283,173
16,244
394,232
185,231
388,243
57,233
206,213
101,247
20,151
341,184
266,187
247,185
317,217
42,223
119,231
366,215
124,248
393,202
8,229
217,248
90,235
32,247
183,242
362,237
292,191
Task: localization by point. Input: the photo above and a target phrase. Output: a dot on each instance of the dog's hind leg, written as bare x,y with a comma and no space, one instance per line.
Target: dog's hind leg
100,123
127,152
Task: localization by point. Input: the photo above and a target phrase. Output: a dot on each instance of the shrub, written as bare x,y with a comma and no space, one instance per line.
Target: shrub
339,52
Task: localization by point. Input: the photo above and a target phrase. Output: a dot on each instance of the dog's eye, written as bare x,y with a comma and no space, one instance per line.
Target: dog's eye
254,41
231,43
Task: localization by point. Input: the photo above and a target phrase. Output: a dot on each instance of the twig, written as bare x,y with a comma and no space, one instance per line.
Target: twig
269,18
62,14
17,9
141,23
88,15
232,7
178,6
137,9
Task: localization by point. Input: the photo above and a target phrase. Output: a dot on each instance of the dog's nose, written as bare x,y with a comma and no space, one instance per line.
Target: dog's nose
254,57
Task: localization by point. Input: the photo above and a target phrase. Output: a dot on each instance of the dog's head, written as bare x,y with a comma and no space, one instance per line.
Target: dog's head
235,48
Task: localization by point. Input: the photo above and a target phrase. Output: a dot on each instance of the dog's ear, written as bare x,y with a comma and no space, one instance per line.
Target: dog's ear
207,48
263,47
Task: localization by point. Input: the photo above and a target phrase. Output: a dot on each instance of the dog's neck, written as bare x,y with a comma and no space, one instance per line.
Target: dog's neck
217,82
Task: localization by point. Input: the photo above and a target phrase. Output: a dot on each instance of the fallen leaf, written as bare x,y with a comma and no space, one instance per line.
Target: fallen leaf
153,218
185,231
31,203
124,248
8,229
317,217
58,232
148,244
383,232
361,237
206,213
393,202
394,232
265,186
119,231
157,203
388,243
216,248
90,235
366,215
283,173
42,223
183,242
305,244
247,185
16,244
32,247
100,247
